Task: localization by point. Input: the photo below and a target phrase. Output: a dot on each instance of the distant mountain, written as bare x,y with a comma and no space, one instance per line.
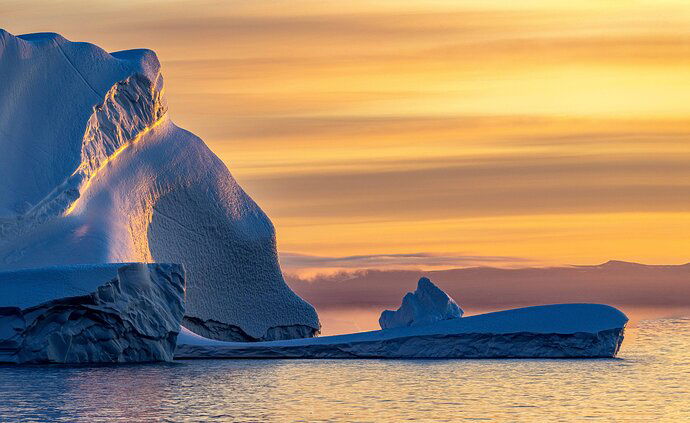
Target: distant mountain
613,282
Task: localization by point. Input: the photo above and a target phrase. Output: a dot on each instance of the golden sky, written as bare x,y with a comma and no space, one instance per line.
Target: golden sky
456,132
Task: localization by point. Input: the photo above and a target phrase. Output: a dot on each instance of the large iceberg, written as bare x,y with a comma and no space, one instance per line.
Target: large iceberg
549,331
94,171
427,304
110,313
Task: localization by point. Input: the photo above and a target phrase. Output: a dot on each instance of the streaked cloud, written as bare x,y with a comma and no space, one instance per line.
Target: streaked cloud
304,263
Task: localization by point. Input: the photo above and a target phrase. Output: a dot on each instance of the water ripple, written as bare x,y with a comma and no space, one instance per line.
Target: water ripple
649,382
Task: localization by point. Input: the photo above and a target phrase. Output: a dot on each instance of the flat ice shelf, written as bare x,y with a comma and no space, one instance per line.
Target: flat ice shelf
548,331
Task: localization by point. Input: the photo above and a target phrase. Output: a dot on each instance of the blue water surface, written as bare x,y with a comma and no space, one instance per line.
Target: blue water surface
649,382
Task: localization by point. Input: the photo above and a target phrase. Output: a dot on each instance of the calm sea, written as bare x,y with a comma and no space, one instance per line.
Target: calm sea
649,382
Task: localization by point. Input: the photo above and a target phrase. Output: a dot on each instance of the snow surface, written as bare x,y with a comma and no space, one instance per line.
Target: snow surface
93,171
108,313
427,304
549,331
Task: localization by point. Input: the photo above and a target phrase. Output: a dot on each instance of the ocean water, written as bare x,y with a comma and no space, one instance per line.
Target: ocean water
650,381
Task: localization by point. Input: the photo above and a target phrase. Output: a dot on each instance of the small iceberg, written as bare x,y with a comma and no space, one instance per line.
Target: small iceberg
429,325
428,304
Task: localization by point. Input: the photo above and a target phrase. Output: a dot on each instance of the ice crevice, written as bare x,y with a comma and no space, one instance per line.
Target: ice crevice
86,82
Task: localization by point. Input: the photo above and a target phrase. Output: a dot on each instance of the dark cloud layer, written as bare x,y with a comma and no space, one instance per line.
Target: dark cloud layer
618,283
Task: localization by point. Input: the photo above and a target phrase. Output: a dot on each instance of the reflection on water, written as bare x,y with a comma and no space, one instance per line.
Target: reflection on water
651,381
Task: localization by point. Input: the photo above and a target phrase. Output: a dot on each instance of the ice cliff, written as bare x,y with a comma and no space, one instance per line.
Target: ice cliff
93,170
110,313
550,331
428,304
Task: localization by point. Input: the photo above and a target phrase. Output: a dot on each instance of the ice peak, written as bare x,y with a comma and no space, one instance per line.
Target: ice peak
92,105
37,37
427,304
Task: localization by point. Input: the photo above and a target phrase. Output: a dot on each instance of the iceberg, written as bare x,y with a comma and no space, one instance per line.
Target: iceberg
428,304
111,313
99,189
548,331
93,170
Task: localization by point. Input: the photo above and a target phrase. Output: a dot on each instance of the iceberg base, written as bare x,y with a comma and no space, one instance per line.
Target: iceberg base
213,329
114,313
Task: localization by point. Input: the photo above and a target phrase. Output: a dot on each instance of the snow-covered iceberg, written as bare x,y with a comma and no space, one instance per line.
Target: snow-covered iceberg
93,170
549,331
427,304
110,313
